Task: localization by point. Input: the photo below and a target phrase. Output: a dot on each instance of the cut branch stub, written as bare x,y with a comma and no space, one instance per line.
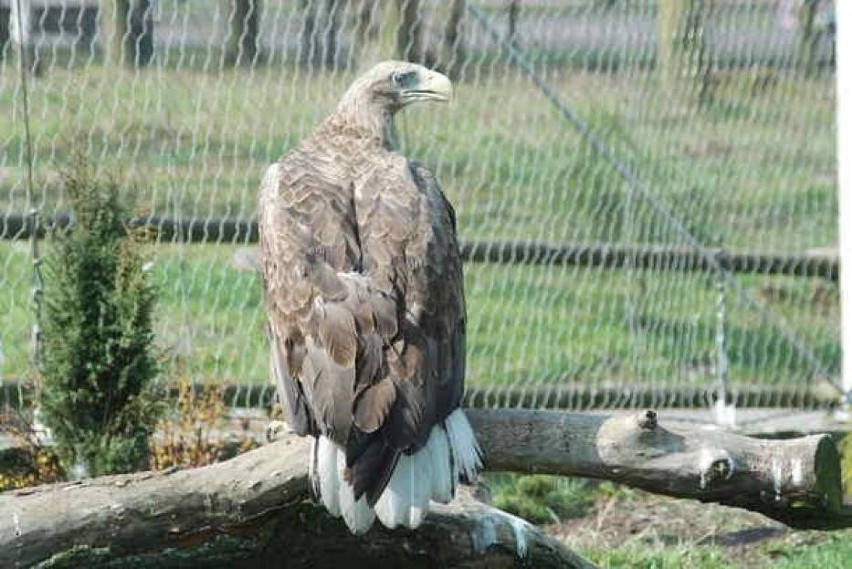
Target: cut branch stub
648,420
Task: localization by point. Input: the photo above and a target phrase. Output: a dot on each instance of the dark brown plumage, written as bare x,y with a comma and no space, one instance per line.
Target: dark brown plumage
363,283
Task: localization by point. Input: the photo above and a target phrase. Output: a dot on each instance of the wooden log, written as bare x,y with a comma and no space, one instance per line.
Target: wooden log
795,481
150,512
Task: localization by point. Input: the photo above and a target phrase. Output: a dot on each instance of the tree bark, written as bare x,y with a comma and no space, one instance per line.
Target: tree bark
241,47
452,53
795,481
258,496
409,34
320,31
128,31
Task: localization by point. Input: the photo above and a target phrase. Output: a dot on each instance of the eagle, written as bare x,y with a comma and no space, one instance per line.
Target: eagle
365,305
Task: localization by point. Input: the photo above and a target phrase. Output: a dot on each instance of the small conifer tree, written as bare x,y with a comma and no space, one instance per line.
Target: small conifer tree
97,362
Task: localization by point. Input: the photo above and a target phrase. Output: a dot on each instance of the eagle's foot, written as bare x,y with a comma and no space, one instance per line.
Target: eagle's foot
276,430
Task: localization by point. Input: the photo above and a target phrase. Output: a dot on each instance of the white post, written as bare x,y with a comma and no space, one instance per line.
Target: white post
19,23
20,31
844,154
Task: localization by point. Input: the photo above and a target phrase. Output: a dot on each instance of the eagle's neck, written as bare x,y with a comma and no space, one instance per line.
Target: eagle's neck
367,122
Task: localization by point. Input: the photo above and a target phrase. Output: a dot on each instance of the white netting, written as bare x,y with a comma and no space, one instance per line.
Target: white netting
720,136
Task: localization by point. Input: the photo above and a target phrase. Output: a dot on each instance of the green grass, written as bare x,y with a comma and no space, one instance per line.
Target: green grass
832,552
618,527
534,325
196,144
800,550
755,169
638,557
541,499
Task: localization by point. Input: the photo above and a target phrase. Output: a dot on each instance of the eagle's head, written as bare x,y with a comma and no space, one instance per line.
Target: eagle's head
368,107
393,85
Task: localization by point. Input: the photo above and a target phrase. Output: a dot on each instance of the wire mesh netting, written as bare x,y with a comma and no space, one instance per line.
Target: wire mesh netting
646,190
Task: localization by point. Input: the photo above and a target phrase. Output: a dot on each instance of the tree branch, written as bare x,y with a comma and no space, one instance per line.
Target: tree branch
258,496
795,481
261,495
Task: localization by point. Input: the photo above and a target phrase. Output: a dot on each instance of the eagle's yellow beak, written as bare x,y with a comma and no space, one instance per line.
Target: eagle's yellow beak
437,85
429,86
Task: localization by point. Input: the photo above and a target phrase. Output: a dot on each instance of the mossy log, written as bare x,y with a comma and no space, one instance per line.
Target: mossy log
255,509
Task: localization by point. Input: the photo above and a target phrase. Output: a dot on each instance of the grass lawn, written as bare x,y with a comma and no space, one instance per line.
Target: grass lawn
753,169
528,325
617,527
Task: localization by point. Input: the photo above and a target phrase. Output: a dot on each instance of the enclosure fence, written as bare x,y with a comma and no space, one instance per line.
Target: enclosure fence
646,191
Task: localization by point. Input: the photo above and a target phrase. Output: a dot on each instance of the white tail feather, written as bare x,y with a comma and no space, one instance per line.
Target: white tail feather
329,479
394,504
443,487
420,487
451,453
312,464
386,507
357,515
467,456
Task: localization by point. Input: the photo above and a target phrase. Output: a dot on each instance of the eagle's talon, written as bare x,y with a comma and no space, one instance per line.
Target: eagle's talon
275,429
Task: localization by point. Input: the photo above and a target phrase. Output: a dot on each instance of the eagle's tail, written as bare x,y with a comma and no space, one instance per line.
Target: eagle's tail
451,455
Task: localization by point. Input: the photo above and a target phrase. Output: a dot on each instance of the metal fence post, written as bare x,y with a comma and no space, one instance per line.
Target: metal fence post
844,147
725,412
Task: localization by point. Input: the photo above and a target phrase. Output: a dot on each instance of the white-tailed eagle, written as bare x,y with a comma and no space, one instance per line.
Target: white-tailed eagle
364,295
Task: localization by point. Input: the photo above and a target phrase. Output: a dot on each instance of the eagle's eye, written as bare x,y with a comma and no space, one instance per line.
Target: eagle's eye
403,79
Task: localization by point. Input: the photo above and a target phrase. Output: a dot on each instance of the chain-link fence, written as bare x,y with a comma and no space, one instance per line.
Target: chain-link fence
646,189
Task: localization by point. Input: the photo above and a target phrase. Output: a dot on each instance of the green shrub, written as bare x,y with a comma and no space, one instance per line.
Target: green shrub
97,330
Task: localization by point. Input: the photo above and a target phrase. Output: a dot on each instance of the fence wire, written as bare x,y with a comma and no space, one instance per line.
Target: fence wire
704,129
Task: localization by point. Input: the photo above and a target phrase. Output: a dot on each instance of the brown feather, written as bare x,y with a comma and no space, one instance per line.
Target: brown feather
370,360
331,287
370,472
385,315
337,333
372,405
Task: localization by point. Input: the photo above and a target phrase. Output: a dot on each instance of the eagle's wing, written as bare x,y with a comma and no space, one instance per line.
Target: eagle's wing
326,324
409,247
